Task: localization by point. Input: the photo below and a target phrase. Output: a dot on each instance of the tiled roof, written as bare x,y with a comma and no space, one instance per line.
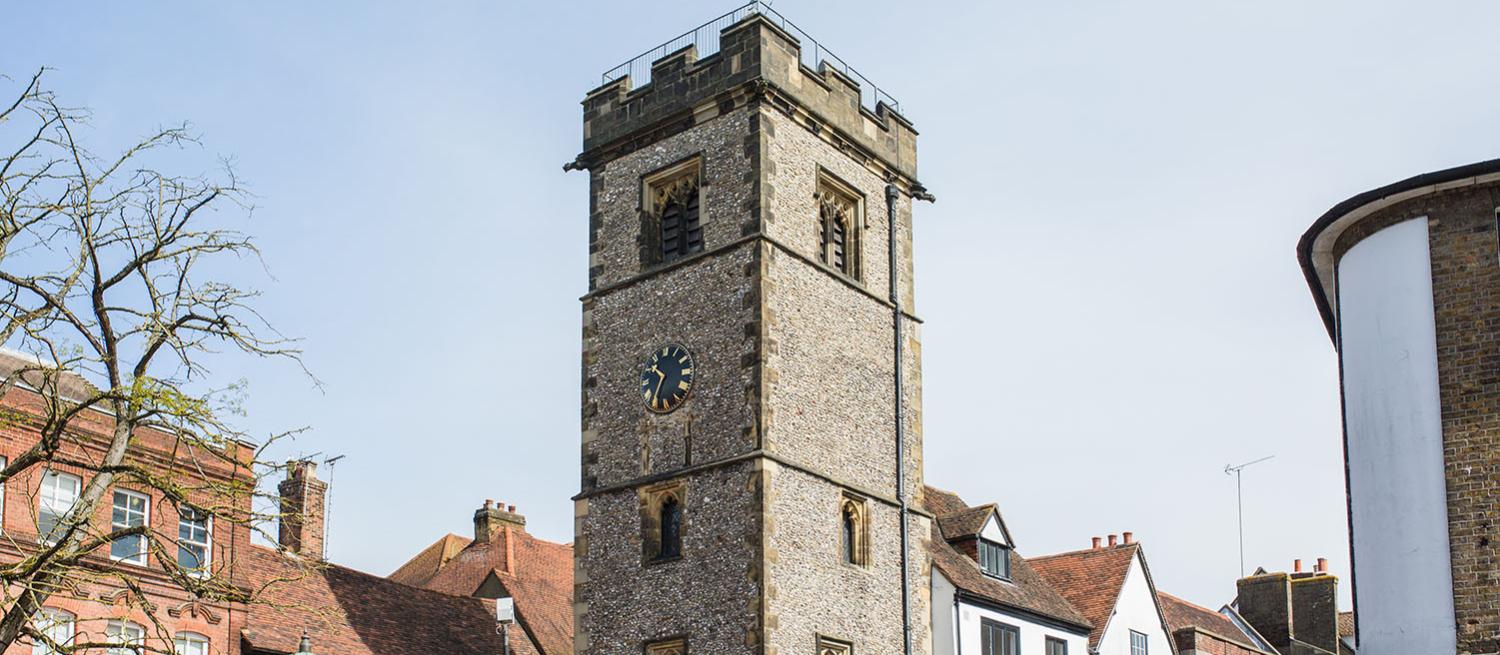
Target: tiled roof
419,570
967,523
1026,590
537,574
1090,579
352,613
1346,624
1183,614
70,385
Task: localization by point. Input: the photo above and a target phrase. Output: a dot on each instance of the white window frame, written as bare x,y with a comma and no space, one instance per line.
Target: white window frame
184,640
1145,643
47,497
207,543
60,621
119,632
140,557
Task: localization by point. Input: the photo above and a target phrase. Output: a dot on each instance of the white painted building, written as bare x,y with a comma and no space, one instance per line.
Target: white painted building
1111,586
986,599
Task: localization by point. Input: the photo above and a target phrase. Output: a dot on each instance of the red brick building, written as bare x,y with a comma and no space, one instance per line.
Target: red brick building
341,611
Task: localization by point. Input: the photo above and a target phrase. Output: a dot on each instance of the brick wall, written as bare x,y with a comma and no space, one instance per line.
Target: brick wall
1466,300
92,599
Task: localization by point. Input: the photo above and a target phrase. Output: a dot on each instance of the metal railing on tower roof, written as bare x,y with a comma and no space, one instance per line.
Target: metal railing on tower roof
705,38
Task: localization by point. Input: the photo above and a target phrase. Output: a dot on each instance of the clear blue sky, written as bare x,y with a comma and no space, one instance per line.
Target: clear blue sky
1114,311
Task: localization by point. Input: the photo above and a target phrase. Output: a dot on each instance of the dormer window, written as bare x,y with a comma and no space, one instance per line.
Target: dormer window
994,559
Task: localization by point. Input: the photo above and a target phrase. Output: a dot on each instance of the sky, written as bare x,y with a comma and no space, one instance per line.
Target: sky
1113,307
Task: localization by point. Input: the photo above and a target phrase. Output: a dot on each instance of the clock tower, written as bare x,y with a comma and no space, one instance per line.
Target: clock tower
751,406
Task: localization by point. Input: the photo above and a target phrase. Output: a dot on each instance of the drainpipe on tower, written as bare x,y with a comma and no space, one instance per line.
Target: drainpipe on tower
892,193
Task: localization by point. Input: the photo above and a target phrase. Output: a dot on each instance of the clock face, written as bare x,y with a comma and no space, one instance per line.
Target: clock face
667,378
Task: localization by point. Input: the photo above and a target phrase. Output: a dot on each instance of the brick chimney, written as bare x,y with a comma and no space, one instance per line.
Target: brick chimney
1315,608
494,517
1301,606
302,509
1266,603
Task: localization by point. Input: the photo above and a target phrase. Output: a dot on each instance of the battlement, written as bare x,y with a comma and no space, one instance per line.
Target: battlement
756,54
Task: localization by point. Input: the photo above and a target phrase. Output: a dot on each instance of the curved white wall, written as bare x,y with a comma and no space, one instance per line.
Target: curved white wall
1393,420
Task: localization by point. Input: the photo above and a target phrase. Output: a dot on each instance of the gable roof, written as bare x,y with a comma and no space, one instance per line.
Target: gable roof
353,613
1026,591
1092,580
535,573
418,570
969,523
1183,615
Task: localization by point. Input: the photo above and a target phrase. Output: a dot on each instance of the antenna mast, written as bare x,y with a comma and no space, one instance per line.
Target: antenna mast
1239,500
328,502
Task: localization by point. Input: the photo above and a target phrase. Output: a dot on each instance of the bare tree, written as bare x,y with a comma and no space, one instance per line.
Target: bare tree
109,284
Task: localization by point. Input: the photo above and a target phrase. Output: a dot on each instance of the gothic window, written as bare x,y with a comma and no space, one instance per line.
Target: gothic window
853,531
662,522
671,528
674,646
831,646
671,208
840,219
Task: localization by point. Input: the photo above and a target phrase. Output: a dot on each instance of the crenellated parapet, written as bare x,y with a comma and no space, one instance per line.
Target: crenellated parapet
756,60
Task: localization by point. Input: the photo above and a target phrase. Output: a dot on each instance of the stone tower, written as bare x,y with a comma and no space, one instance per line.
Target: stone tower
1406,277
739,232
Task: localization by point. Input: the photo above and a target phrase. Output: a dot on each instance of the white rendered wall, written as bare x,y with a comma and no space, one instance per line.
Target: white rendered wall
1393,422
942,615
1033,635
1135,610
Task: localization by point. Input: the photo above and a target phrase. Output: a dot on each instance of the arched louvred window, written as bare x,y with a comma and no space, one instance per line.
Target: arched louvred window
838,243
681,234
671,528
838,228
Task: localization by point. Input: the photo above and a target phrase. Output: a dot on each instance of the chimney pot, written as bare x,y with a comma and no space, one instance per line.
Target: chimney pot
493,518
1129,538
1296,566
1112,541
1096,542
1322,565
